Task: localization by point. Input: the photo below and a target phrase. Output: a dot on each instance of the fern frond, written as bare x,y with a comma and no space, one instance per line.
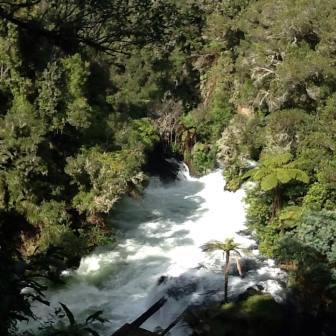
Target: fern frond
269,182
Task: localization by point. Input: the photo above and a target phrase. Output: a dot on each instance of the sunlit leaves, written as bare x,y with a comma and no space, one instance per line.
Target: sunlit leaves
227,245
102,177
275,170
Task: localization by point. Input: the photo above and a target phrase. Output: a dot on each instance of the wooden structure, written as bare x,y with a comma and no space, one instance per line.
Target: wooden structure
133,329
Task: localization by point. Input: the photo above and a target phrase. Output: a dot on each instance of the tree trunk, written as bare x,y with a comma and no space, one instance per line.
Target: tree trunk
277,201
226,275
239,268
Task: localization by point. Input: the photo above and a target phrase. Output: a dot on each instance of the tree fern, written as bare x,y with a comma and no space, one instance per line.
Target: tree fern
275,170
227,246
269,182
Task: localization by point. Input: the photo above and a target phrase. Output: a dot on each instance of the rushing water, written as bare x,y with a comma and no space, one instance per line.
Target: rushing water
159,255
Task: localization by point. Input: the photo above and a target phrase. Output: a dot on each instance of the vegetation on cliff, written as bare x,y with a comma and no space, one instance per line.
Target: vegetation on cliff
91,90
82,83
282,86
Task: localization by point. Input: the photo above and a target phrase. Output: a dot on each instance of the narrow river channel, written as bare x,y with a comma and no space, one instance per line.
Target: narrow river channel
159,255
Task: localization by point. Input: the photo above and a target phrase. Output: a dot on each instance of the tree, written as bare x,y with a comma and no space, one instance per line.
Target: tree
275,171
227,246
107,26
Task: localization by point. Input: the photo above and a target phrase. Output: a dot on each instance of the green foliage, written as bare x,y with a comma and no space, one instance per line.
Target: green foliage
203,158
261,306
276,170
274,173
316,197
220,114
286,128
141,134
87,91
202,126
50,97
78,110
188,121
284,73
276,61
82,91
102,177
312,277
317,230
259,207
290,216
269,236
76,116
227,245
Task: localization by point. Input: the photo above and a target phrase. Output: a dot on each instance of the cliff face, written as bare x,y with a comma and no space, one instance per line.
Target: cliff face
268,98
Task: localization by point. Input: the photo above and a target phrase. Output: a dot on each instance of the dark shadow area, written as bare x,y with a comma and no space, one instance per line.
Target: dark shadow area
158,165
311,302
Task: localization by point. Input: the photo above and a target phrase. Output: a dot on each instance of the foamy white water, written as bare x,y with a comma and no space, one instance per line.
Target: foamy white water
159,255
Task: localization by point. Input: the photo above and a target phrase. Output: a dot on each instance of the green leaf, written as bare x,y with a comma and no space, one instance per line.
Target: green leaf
276,160
301,176
269,182
290,216
285,175
227,245
249,173
259,173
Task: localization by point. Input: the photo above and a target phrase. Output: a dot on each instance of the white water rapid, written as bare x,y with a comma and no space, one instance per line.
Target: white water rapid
159,255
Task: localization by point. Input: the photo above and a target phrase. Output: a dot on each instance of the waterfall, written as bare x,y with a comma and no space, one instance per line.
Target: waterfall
159,255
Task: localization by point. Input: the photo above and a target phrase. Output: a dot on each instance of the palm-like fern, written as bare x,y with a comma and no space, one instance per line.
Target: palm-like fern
227,246
274,171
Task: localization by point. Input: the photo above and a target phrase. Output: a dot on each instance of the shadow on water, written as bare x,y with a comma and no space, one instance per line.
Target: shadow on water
176,202
154,219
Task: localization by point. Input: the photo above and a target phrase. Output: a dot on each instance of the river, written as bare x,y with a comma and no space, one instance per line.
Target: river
159,255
